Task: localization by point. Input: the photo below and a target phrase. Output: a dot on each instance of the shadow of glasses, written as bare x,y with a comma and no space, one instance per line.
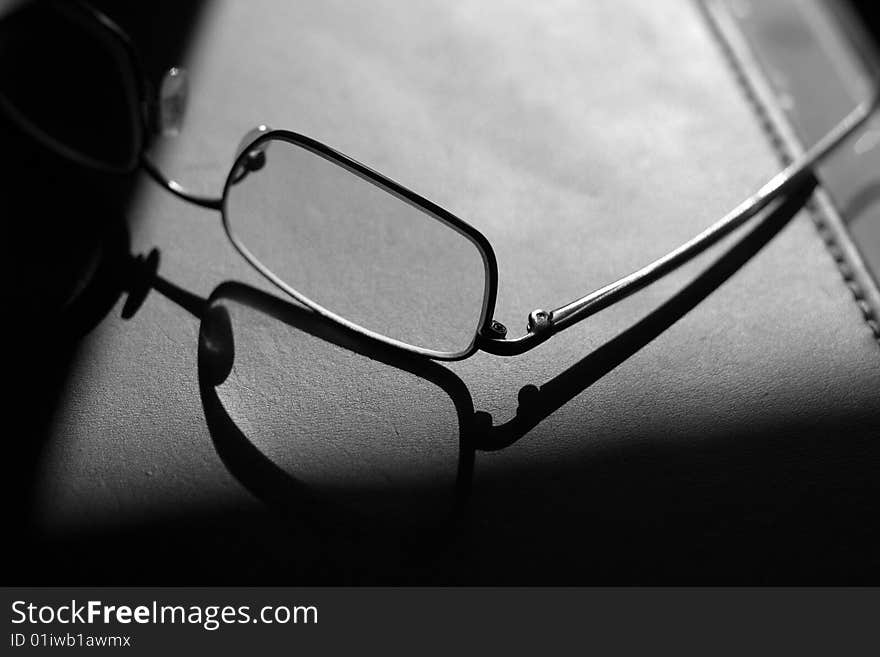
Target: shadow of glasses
538,402
281,489
329,484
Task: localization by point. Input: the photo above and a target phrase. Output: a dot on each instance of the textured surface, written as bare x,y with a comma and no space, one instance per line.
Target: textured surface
583,139
784,48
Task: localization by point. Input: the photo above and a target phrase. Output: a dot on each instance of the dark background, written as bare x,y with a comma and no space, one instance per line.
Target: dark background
750,458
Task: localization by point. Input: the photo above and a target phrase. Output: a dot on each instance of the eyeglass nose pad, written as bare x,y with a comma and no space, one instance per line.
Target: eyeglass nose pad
172,102
255,158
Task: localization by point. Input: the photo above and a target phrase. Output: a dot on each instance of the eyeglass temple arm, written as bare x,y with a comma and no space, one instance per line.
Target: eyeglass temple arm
177,189
543,324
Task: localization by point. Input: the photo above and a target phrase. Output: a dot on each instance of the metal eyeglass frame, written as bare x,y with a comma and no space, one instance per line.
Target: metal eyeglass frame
490,336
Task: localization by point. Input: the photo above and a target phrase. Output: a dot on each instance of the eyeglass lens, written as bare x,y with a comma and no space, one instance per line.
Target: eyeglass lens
359,251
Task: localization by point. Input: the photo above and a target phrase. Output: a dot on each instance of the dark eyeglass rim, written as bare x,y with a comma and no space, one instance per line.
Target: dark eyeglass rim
124,55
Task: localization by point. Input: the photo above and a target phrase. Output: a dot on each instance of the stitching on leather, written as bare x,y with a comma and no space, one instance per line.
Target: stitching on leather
817,214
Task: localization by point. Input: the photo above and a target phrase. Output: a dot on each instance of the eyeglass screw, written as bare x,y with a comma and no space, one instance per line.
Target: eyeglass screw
497,329
538,321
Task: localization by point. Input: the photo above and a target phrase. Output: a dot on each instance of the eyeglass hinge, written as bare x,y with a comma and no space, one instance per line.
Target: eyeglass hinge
496,330
539,321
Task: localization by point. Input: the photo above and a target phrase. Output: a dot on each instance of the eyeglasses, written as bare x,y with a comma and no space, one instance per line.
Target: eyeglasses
342,239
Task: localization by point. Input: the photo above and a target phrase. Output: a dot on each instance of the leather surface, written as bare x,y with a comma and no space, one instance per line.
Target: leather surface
583,139
782,49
